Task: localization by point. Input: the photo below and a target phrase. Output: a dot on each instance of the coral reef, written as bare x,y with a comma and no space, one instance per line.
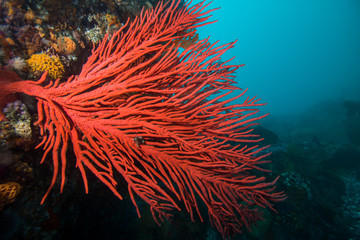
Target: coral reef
53,27
316,154
142,110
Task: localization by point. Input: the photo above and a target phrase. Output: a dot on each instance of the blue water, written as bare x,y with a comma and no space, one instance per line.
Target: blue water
297,53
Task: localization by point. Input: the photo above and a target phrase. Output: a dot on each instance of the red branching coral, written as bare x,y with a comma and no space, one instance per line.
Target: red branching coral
145,110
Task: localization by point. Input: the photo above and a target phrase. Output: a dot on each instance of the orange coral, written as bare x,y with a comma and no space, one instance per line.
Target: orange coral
29,15
65,45
112,20
8,192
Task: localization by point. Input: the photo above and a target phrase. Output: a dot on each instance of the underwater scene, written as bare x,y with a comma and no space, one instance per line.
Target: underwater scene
174,119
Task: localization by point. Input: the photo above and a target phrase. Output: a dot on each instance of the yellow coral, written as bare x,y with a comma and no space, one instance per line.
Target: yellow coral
8,192
42,62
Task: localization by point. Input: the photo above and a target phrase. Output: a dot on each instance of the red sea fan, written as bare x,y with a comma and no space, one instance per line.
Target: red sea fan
159,117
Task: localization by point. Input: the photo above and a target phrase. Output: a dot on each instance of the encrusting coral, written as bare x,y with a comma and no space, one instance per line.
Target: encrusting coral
159,118
65,45
42,62
8,193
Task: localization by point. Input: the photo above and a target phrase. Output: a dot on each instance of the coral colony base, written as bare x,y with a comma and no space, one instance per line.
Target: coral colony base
145,110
